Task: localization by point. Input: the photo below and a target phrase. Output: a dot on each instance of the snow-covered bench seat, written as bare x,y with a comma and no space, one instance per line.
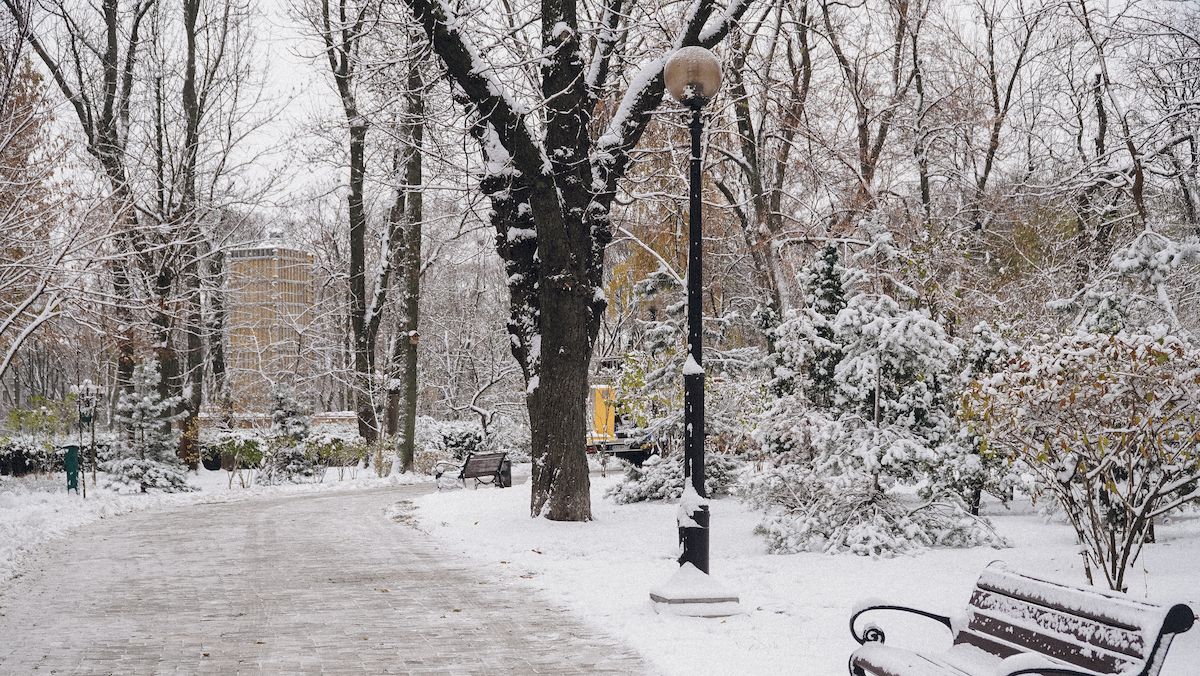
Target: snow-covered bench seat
1017,625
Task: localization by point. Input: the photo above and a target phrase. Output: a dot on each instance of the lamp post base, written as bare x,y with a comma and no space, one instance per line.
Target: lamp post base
692,593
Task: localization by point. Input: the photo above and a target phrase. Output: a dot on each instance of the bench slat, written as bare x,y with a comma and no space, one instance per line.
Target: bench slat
1056,622
1094,604
1004,639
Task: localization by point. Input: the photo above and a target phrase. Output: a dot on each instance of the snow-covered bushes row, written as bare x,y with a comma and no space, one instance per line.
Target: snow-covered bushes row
661,478
25,453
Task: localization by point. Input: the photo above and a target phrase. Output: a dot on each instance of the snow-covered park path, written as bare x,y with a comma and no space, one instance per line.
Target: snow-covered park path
310,583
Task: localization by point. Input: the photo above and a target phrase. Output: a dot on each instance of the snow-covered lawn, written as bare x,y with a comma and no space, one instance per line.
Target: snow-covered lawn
797,606
34,510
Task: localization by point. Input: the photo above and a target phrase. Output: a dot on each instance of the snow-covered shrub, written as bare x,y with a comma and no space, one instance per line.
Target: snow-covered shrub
144,458
334,449
807,511
450,438
288,461
288,458
1110,424
239,451
425,460
510,436
23,453
967,465
661,478
462,438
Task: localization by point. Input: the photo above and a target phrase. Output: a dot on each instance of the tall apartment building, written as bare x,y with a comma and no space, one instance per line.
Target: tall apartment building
269,299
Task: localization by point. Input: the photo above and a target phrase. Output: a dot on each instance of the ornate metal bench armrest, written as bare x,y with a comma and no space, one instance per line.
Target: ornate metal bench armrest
875,634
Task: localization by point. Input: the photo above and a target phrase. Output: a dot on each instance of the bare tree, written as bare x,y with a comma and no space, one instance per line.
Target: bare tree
552,187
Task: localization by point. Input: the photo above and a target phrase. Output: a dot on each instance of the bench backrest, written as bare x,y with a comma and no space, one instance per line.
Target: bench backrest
1105,632
482,464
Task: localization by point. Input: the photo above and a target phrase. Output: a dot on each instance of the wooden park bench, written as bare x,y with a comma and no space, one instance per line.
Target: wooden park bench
484,468
1016,625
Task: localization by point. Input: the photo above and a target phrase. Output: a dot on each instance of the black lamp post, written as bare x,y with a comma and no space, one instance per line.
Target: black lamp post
86,395
692,76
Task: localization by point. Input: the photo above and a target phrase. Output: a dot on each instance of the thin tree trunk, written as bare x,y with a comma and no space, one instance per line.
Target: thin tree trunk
364,349
415,214
216,335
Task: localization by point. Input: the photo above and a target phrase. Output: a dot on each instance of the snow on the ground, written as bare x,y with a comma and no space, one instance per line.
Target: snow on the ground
797,606
36,509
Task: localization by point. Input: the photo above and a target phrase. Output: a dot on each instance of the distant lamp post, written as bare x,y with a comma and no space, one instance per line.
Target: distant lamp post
87,394
693,75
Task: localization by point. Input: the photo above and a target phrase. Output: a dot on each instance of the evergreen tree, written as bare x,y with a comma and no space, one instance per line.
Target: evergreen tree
805,354
650,388
968,466
805,350
289,459
872,407
827,283
290,418
146,458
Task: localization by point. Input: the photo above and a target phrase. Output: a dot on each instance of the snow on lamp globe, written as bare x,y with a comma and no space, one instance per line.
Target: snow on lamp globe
693,75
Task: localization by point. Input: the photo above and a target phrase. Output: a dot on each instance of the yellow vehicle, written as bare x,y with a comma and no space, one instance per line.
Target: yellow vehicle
610,434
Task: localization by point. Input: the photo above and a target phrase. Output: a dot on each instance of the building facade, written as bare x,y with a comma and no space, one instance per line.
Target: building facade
269,299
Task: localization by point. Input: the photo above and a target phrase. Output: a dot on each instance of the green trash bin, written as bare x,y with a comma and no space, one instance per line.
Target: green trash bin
71,464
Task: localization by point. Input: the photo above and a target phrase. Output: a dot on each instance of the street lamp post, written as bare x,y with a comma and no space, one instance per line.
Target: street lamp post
86,395
692,76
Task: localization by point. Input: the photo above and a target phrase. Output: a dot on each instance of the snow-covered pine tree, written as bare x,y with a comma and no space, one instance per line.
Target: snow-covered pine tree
145,455
650,390
288,459
827,283
290,418
854,431
968,466
805,355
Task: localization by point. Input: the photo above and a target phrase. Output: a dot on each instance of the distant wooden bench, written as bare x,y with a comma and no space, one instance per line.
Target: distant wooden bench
1016,625
484,468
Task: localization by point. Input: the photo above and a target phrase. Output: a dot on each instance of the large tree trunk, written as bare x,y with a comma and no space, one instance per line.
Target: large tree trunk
558,422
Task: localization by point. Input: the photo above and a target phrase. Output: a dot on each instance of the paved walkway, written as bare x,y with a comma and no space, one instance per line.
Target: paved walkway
311,584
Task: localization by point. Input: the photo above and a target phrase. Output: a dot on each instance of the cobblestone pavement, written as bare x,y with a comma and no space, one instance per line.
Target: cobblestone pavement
311,584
